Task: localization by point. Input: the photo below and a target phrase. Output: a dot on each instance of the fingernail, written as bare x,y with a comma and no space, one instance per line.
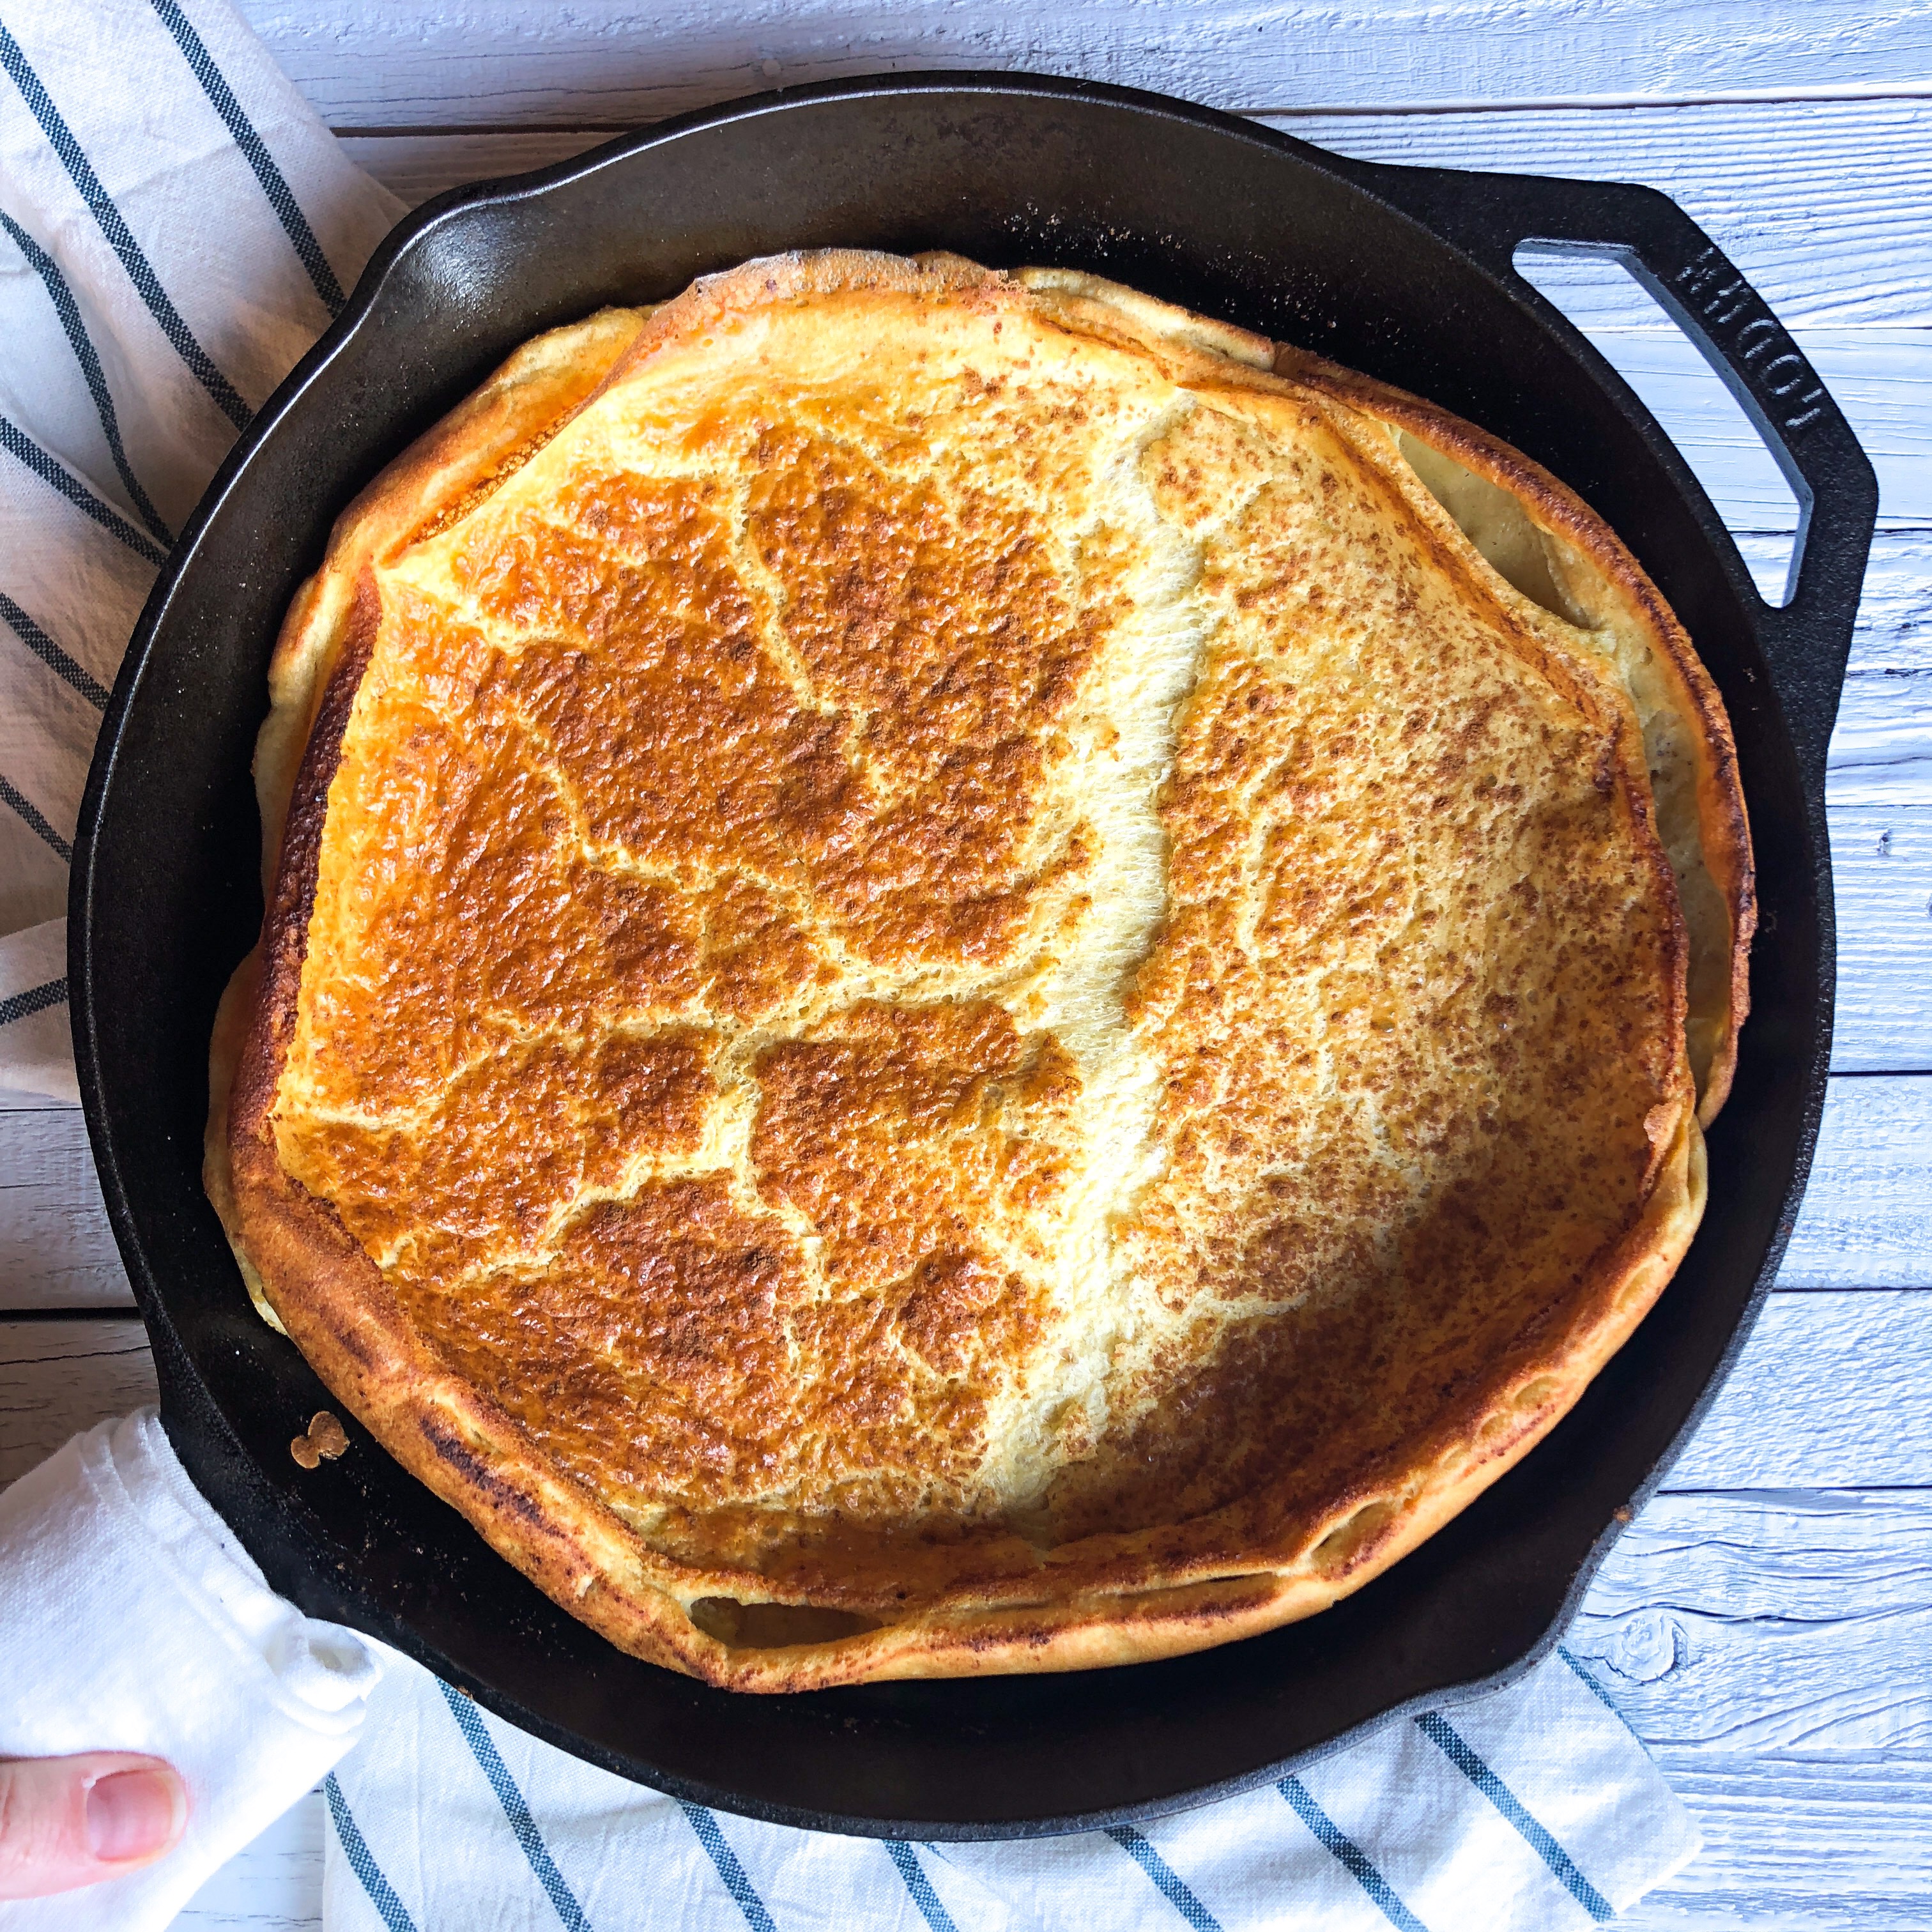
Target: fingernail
130,1815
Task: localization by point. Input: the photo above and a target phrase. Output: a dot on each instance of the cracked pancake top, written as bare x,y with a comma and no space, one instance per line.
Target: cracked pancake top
963,974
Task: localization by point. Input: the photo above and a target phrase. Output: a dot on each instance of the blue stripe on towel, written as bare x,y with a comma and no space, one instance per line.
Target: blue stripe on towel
44,266
51,654
34,1000
25,806
1437,1729
281,197
389,1908
1359,1866
483,1748
56,475
1167,1881
1595,1689
740,1888
931,1907
120,237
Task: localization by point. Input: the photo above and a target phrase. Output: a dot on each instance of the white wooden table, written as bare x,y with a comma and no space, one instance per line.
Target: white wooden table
1766,1623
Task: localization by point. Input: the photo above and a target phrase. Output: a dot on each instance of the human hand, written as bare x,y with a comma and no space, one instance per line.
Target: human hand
71,1821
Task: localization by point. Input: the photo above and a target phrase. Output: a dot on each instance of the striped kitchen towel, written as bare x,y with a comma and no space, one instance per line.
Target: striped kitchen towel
176,227
1530,1810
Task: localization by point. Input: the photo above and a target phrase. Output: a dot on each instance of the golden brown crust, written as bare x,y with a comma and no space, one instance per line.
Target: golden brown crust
1548,544
481,443
1595,579
832,1070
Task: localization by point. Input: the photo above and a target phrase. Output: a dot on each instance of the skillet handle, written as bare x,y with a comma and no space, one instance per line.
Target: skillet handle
1806,640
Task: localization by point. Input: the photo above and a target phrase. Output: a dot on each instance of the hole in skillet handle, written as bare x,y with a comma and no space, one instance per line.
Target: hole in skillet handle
1804,640
1600,293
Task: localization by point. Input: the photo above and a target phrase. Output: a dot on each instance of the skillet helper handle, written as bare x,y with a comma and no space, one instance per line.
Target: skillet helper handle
1806,641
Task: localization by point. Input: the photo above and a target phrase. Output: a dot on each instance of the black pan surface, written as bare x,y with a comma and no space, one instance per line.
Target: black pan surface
1404,273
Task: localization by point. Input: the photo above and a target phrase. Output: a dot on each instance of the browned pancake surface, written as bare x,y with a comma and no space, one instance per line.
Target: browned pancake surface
949,960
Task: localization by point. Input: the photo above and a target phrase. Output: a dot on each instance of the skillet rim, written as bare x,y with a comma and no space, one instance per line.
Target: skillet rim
181,1376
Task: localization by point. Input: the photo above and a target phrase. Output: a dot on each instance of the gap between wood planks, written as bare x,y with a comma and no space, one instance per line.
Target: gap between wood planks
364,63
1865,1225
1795,1413
1276,113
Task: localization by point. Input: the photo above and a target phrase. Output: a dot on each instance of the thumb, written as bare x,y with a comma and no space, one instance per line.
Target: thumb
71,1821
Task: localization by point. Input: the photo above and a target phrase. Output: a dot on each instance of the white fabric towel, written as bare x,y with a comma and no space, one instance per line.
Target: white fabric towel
130,1619
1531,1809
176,228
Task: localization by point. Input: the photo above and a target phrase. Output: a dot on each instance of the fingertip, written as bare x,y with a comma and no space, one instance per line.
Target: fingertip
70,1821
136,1815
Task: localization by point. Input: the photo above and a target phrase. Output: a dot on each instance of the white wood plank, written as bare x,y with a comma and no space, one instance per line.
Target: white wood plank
1796,1622
1817,202
499,62
1772,1649
1881,758
1878,376
1881,752
1894,629
1814,200
56,1249
1882,875
274,1885
1834,1389
57,1378
1802,1407
1799,1844
1867,1219
420,163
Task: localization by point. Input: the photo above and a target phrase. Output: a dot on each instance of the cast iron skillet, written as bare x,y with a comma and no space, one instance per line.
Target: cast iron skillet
1404,273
